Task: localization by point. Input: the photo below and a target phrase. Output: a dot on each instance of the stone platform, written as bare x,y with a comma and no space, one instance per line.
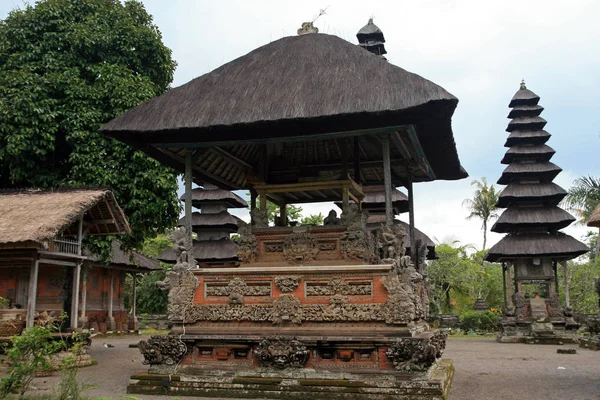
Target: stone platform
300,384
590,342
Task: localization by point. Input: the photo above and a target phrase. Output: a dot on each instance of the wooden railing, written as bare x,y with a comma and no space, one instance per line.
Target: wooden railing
65,245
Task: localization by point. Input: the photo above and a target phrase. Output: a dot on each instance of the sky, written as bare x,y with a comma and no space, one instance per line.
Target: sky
477,50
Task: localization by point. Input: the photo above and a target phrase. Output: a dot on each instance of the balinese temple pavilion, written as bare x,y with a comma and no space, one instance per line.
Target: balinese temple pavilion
311,311
533,245
213,226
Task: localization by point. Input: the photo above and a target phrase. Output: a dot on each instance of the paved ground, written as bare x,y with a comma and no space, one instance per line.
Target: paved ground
484,370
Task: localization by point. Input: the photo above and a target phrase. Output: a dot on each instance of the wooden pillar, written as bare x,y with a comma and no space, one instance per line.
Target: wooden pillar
283,215
133,322
566,285
356,161
411,219
555,268
387,179
345,199
83,308
509,285
75,295
33,285
262,199
504,285
110,320
253,196
188,204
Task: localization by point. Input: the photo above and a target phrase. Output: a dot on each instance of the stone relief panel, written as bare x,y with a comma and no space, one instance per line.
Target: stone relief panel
162,349
287,283
300,248
247,246
338,286
281,352
236,289
415,354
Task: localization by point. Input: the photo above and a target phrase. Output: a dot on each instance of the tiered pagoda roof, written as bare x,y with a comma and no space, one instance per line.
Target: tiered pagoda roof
533,219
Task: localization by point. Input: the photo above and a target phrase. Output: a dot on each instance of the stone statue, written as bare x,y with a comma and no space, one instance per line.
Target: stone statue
259,218
281,352
182,247
390,241
331,219
519,303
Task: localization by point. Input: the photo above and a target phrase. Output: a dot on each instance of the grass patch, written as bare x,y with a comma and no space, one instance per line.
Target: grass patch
151,331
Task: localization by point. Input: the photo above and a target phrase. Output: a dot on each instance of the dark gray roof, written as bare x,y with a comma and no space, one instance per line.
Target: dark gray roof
527,136
525,111
520,217
524,97
207,251
217,221
544,170
595,218
558,245
201,196
374,200
127,259
549,193
528,123
298,86
540,152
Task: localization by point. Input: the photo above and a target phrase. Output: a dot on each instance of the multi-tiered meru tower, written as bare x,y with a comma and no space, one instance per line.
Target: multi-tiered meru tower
533,244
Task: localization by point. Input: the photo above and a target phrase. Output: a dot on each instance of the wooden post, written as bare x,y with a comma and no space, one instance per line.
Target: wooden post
188,204
504,285
411,219
75,295
508,285
33,283
82,309
283,215
345,199
133,322
555,268
566,285
387,179
356,161
262,198
110,321
253,196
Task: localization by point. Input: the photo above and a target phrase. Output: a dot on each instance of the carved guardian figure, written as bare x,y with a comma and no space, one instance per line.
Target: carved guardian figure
162,349
281,352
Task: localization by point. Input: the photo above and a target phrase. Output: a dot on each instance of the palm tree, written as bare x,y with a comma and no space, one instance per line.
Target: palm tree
483,204
583,197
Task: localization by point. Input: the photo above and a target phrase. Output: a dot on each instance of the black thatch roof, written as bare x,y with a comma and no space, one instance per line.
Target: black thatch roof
516,193
207,251
524,97
374,200
130,260
529,123
201,196
527,136
595,218
538,152
513,218
525,111
371,38
296,87
558,246
221,221
546,171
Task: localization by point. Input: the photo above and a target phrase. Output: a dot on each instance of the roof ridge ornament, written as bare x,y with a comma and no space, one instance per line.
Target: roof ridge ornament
522,86
307,27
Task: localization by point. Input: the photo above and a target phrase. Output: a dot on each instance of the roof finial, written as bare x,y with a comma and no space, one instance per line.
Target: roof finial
523,87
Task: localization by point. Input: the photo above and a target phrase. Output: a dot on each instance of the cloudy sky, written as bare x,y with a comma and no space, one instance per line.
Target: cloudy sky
477,50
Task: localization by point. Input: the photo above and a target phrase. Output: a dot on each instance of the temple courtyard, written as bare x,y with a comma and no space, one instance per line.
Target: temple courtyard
485,369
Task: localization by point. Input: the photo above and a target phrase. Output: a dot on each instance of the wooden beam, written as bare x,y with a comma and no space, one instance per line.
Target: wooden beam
356,160
387,180
75,296
241,164
188,203
411,220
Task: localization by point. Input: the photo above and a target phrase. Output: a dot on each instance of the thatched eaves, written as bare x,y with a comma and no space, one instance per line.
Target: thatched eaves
527,137
514,218
595,218
525,111
524,97
539,152
546,193
558,246
526,123
202,196
546,171
374,200
207,251
40,216
221,221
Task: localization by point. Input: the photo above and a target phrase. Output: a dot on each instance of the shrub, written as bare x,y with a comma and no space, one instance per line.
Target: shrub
479,321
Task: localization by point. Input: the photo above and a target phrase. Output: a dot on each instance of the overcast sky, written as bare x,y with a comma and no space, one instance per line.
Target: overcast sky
477,50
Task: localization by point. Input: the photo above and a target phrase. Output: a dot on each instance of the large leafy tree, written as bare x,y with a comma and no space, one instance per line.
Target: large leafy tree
67,67
482,205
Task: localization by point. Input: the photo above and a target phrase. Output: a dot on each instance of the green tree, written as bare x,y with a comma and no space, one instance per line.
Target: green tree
293,212
482,205
67,67
583,197
313,219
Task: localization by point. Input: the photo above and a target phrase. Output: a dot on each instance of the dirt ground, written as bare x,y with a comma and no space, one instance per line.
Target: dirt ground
485,369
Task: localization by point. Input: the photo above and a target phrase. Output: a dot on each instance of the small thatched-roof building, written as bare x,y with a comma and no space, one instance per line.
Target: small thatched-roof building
595,218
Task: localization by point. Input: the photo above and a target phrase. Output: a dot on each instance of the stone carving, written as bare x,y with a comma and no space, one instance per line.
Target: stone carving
421,255
274,248
286,308
182,246
236,289
259,218
247,246
554,308
287,283
162,349
307,27
354,219
300,248
281,352
331,219
326,246
570,322
338,286
519,303
390,241
417,354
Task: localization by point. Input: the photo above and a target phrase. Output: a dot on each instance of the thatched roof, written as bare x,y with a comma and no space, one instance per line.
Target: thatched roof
371,38
527,136
524,97
206,251
40,216
300,87
222,221
513,218
546,171
525,111
529,123
558,246
516,193
595,218
539,152
128,259
203,196
374,200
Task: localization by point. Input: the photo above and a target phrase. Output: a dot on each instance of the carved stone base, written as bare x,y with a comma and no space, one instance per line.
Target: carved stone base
300,384
536,333
590,342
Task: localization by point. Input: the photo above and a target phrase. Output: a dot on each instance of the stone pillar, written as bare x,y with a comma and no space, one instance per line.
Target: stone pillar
132,323
188,205
566,285
387,180
33,284
83,321
110,320
411,220
75,295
